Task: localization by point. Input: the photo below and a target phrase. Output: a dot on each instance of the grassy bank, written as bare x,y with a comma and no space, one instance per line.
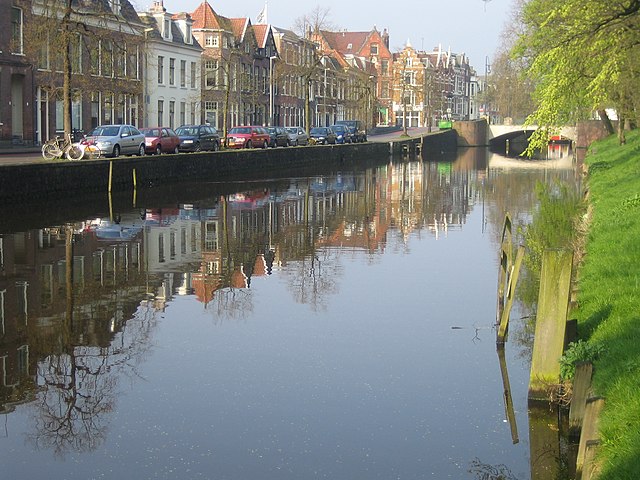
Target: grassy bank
609,299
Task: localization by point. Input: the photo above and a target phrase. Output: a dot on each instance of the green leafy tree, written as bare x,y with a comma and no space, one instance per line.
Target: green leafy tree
582,57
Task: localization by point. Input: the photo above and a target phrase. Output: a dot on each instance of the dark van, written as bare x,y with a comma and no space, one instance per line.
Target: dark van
358,130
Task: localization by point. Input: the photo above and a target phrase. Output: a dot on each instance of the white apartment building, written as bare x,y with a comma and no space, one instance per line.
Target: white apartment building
172,95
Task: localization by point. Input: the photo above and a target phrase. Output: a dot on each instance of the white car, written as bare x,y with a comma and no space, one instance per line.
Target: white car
116,140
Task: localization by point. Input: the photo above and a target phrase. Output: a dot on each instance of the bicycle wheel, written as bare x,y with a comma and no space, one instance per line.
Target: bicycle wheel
50,151
92,152
74,152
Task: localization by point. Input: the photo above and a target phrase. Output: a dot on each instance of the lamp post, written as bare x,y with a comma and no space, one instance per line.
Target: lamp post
271,59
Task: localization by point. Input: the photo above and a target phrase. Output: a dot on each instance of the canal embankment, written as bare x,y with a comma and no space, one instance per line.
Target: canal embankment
608,299
62,179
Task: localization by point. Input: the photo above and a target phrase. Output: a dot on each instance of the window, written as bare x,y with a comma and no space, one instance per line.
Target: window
115,6
107,58
374,49
210,41
16,31
183,113
188,37
211,73
160,112
172,113
160,70
183,73
384,67
193,74
167,29
193,112
172,71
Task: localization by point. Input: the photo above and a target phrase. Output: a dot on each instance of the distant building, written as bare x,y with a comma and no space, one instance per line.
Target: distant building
430,86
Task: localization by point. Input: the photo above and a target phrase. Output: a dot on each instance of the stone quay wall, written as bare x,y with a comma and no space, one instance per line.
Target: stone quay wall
63,179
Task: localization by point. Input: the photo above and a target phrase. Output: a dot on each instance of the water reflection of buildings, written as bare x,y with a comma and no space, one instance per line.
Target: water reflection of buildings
219,244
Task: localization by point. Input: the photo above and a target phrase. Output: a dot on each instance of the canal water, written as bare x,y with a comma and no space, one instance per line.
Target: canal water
336,326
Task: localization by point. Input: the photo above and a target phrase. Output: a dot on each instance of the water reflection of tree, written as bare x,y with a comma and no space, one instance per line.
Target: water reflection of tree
485,471
78,387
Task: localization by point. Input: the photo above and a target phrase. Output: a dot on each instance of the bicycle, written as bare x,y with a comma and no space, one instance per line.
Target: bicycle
89,149
59,147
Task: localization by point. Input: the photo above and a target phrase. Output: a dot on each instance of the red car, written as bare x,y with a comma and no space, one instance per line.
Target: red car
248,137
160,140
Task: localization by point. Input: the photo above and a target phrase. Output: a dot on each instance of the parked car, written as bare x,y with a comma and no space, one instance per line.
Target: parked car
194,138
116,140
323,135
358,130
343,134
160,140
248,137
278,137
297,136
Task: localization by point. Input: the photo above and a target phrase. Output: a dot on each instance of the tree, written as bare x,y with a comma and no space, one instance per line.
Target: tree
65,39
314,22
582,57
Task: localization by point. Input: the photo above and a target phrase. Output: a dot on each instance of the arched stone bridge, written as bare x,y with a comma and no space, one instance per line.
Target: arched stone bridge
507,132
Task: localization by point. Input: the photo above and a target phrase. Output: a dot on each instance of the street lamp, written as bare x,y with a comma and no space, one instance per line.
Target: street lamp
271,59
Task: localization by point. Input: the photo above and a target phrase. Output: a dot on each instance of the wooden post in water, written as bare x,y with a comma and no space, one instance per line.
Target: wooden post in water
589,437
551,320
581,391
506,249
512,281
508,400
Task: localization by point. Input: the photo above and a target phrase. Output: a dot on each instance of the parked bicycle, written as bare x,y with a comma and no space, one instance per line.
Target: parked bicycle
89,149
59,147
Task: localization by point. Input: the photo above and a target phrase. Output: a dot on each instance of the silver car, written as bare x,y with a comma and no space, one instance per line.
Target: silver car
116,140
297,136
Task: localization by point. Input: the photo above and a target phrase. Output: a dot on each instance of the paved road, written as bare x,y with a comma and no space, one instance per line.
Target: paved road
24,156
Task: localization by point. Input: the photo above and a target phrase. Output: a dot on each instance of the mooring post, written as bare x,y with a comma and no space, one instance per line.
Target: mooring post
551,321
589,437
581,392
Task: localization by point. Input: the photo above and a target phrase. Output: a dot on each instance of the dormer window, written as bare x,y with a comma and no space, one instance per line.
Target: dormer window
374,49
349,46
167,29
188,36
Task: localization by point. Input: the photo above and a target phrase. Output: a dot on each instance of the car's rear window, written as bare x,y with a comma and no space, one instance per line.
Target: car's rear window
240,130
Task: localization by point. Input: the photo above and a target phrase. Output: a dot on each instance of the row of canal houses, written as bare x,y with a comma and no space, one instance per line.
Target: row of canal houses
155,68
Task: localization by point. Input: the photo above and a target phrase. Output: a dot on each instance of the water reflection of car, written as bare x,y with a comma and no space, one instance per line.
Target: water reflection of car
115,230
248,137
116,140
195,138
278,137
297,136
323,135
160,140
343,134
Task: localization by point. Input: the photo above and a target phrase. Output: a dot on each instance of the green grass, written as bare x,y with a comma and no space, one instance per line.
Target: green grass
608,309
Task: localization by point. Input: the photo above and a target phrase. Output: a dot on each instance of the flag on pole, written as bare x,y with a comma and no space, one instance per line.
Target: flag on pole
262,16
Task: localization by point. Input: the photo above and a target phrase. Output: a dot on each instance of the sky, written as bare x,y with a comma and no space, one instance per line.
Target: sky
472,27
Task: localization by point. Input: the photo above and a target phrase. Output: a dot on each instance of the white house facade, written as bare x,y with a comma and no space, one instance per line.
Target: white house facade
172,95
